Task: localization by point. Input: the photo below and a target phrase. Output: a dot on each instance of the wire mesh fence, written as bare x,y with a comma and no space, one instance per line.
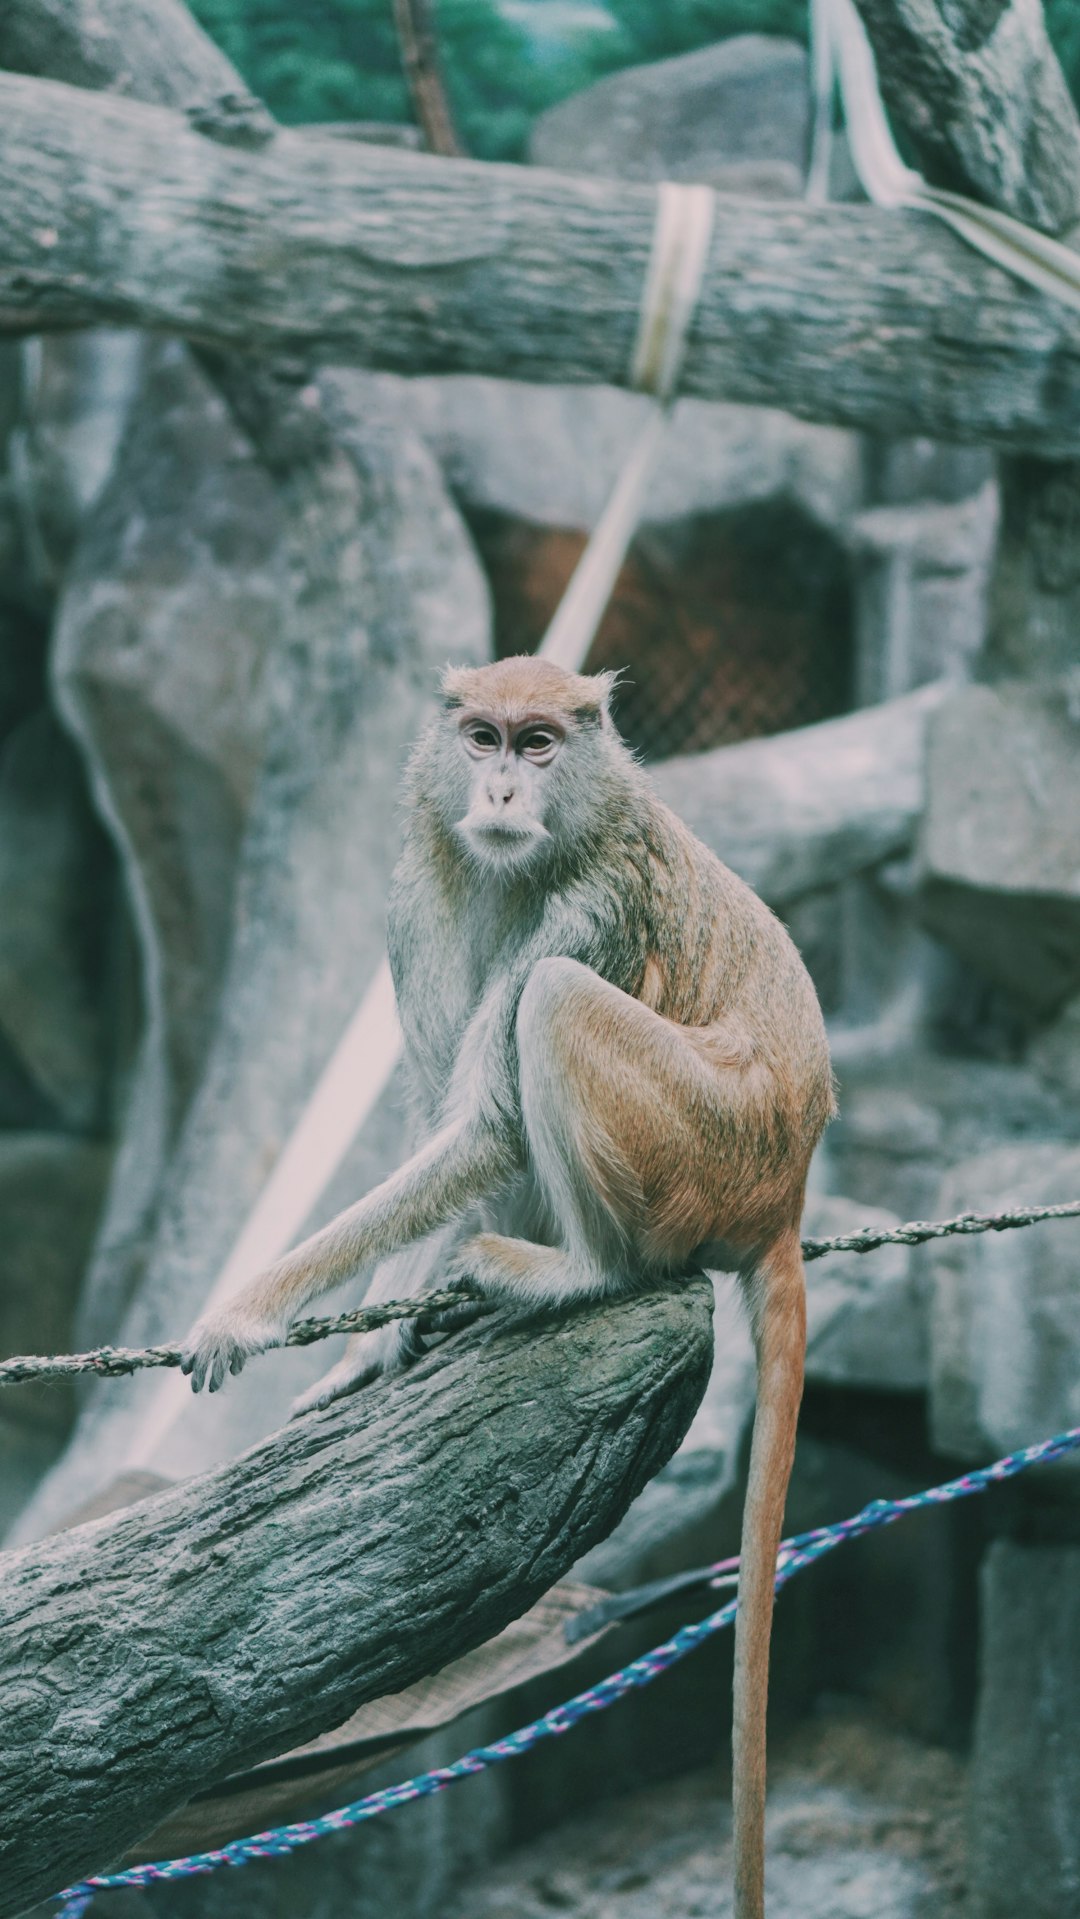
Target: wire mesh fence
724,626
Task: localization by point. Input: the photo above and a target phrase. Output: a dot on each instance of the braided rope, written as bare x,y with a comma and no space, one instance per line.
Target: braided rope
113,1362
796,1553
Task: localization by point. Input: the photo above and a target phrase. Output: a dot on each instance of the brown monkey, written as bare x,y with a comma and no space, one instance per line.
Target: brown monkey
620,1069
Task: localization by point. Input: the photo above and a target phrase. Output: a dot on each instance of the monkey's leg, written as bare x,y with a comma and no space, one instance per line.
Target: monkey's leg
413,1270
630,1131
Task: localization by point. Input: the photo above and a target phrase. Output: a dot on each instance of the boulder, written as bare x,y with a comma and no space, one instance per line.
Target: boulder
172,603
804,809
550,455
1025,1779
1054,1052
905,1120
744,101
51,1189
999,853
56,905
1005,1317
922,579
867,1313
380,587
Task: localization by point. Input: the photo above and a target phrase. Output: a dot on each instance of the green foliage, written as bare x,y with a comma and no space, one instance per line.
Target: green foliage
1063,26
654,32
339,59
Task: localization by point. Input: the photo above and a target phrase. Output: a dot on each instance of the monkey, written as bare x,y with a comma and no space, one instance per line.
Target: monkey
619,1069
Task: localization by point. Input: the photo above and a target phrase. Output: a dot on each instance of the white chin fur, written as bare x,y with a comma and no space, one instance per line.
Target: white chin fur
502,845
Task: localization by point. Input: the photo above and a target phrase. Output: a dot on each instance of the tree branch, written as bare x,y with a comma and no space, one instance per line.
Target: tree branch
113,211
148,1653
978,87
416,38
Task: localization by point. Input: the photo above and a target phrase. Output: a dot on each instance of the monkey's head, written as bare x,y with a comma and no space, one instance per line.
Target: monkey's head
525,753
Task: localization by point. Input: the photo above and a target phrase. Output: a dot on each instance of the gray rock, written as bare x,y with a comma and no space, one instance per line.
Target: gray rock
804,809
375,605
867,1313
55,908
1054,1053
550,455
50,1194
1005,1318
903,1121
922,577
1000,847
744,100
172,602
1025,1779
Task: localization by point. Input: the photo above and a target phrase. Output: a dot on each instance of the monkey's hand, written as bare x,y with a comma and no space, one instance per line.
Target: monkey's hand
223,1339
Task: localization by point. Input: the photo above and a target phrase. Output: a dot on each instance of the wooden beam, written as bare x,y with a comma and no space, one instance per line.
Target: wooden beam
111,210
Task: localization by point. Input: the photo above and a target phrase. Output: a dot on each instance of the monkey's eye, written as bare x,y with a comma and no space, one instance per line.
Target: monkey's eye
480,738
539,743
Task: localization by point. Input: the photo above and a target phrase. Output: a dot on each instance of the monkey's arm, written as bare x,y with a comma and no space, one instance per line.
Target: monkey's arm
463,1161
475,1150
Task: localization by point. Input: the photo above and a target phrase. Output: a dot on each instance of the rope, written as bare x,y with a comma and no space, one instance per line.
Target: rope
795,1554
114,1361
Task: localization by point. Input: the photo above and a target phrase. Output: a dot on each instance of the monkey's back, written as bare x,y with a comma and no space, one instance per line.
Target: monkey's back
719,958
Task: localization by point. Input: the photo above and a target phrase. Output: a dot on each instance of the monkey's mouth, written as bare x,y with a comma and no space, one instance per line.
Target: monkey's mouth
494,837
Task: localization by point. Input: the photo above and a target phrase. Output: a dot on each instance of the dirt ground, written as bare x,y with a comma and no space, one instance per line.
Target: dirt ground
864,1823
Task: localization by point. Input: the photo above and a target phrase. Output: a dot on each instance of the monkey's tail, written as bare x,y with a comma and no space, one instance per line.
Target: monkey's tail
776,1292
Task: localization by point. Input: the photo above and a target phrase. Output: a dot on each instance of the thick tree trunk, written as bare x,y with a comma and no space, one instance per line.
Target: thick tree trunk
113,211
979,89
150,1652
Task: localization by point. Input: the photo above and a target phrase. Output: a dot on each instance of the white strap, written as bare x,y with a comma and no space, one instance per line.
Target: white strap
680,249
1031,256
369,1049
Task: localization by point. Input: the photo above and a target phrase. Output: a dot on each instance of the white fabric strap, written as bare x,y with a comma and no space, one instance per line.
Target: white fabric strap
680,250
841,42
370,1047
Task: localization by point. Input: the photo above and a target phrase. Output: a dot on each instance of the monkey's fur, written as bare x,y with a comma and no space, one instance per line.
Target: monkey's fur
620,1069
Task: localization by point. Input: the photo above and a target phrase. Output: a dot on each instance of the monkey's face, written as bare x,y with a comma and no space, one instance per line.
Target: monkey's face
510,764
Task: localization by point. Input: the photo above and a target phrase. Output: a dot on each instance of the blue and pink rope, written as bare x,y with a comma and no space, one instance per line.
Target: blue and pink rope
795,1553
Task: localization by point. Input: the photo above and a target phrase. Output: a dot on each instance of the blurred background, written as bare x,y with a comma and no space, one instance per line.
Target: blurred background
853,663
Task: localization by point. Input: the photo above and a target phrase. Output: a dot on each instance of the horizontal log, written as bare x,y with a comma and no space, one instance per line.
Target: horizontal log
114,211
146,1654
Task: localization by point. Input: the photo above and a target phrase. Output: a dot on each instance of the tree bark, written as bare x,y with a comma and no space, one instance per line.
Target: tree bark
979,88
117,212
150,1652
415,25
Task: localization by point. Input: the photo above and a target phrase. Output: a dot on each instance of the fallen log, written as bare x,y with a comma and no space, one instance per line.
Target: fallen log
113,211
147,1653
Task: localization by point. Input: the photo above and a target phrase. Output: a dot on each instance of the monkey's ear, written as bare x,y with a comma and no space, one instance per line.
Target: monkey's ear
453,685
606,682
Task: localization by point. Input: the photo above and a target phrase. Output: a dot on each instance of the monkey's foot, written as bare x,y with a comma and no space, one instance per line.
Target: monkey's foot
366,1358
221,1341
